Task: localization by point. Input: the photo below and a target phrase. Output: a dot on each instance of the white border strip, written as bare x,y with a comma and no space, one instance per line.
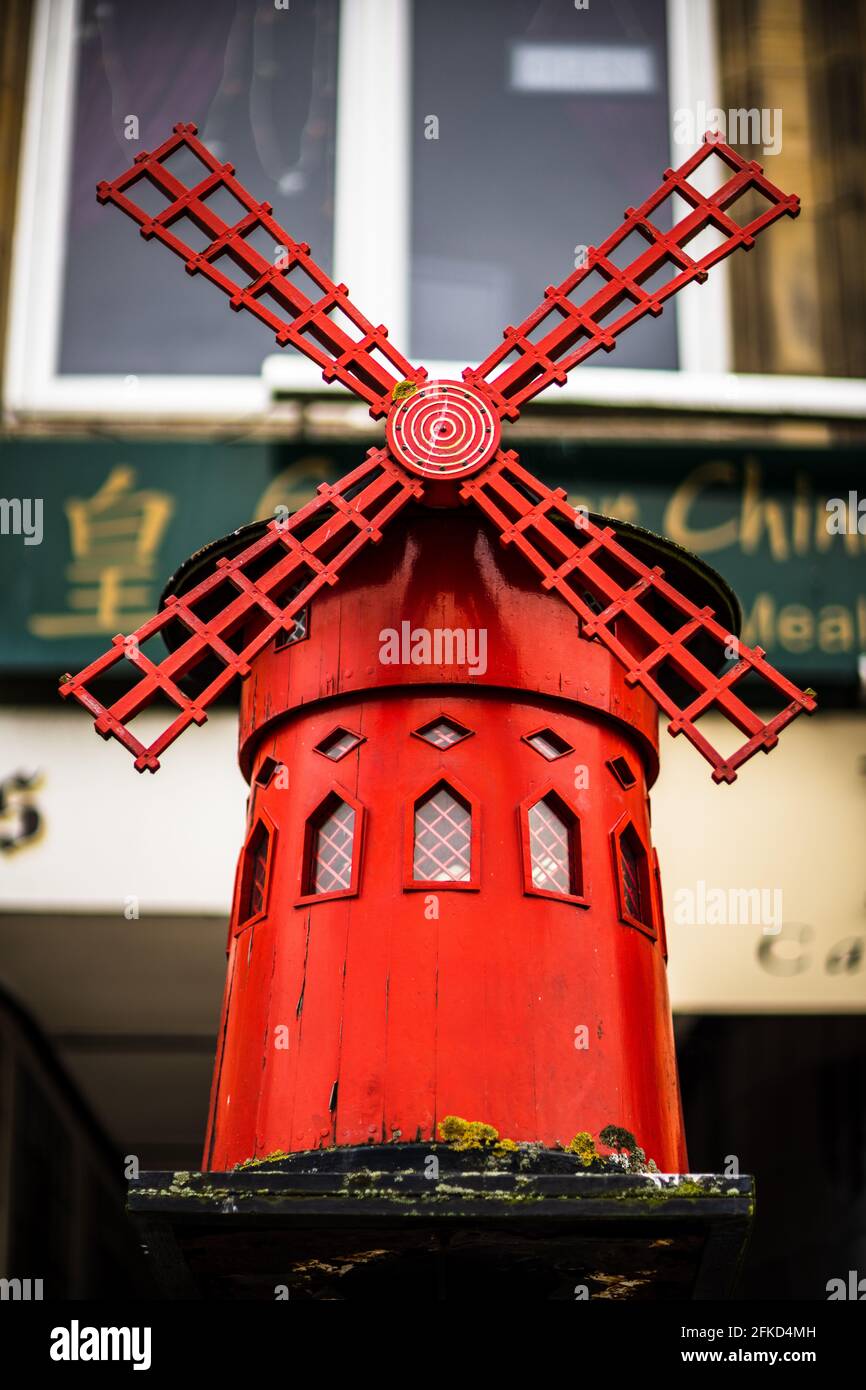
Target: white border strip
37,257
633,388
703,311
371,235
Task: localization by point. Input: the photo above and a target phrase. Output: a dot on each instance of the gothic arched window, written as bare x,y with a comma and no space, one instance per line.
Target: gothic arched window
443,845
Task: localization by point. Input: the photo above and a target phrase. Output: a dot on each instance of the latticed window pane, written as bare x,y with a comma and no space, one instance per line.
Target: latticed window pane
255,896
632,892
442,733
550,850
337,744
332,850
301,620
548,744
443,839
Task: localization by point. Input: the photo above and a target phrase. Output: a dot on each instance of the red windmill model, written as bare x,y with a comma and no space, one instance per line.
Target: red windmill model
448,867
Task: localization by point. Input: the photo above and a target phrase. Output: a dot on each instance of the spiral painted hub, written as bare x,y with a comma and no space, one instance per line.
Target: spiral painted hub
445,429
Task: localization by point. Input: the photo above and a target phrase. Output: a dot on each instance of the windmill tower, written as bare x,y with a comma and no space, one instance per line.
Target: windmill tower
450,687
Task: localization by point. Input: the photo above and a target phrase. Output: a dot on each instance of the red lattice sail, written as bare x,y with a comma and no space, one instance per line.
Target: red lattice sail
629,606
615,287
230,616
326,327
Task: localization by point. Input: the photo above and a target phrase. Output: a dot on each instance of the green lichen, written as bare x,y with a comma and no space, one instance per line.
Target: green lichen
474,1134
583,1148
275,1157
624,1144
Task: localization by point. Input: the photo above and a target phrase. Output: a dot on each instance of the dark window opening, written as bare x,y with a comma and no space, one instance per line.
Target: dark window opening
621,770
636,893
266,771
255,873
301,629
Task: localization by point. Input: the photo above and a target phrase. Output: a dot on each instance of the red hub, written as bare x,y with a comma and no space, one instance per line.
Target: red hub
445,429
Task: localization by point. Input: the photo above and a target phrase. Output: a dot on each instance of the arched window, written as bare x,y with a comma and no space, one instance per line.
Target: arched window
633,877
332,850
550,849
443,839
255,872
442,843
552,860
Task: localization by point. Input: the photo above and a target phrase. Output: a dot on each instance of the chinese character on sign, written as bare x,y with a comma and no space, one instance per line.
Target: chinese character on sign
114,539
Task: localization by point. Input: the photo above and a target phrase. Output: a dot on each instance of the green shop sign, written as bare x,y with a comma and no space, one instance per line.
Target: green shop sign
89,531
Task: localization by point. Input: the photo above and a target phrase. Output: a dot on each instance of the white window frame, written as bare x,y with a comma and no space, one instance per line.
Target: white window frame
371,247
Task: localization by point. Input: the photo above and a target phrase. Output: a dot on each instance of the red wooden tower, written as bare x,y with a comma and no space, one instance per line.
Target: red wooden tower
448,901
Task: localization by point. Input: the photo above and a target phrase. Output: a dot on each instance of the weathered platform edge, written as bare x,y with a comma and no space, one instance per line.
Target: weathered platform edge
376,1192
386,1188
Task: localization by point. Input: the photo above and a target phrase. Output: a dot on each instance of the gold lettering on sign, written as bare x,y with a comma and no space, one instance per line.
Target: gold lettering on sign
833,629
794,525
761,515
114,538
676,520
294,486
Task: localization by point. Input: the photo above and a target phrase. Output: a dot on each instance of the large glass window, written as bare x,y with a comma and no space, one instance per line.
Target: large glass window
260,84
534,126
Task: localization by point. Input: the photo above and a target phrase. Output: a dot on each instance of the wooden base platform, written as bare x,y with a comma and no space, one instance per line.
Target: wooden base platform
410,1221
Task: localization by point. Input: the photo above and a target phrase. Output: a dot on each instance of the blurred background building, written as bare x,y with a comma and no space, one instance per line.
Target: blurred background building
447,161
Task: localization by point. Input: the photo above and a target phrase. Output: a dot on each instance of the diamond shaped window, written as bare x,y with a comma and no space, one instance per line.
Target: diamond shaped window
548,744
338,743
443,732
621,769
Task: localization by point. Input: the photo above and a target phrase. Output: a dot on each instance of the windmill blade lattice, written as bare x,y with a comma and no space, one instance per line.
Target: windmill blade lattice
243,605
577,318
614,593
329,329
